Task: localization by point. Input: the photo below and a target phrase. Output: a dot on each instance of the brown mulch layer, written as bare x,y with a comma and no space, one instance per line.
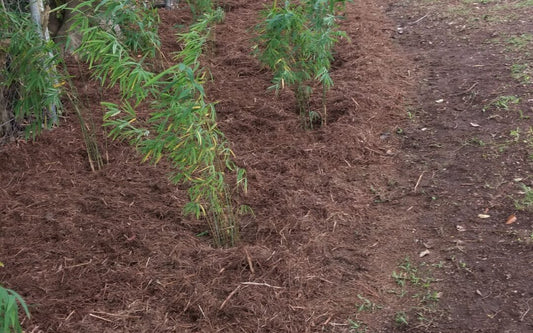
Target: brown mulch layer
109,251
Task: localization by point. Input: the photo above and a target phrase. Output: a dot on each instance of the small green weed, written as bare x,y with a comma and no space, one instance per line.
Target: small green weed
401,319
357,326
522,115
415,282
476,142
367,305
502,102
440,264
409,273
431,296
526,202
521,73
515,134
519,42
379,197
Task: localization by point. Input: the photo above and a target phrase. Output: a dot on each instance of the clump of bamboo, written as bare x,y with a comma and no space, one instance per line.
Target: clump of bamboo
182,127
29,72
295,40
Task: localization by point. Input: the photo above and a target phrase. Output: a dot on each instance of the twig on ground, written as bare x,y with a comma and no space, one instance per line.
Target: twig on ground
79,265
101,318
260,284
202,311
467,90
418,181
249,260
420,19
229,296
525,312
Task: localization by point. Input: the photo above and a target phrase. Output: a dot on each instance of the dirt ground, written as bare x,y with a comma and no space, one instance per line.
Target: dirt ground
392,218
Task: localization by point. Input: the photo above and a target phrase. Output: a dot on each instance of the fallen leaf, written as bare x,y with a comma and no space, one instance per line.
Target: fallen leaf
424,253
511,219
483,216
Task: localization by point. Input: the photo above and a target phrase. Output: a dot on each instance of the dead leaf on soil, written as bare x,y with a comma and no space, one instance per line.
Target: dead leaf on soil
511,219
483,216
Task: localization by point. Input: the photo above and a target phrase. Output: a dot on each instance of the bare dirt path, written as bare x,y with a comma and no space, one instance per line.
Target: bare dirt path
465,154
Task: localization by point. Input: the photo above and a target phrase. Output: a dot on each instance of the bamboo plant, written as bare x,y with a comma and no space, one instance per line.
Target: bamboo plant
9,311
31,72
182,127
295,40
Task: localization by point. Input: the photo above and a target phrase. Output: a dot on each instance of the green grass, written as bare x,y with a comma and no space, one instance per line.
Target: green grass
521,73
415,284
357,326
525,3
401,319
526,202
519,42
503,102
367,305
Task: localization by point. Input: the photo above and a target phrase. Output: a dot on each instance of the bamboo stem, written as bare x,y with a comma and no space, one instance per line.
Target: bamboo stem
40,17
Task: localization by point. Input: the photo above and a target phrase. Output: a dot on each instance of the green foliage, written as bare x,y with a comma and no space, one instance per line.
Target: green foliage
200,7
519,42
295,41
526,202
367,305
30,72
182,127
357,326
502,102
522,73
9,311
401,319
128,22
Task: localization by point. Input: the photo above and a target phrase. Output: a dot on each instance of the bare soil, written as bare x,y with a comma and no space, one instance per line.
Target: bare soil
391,218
